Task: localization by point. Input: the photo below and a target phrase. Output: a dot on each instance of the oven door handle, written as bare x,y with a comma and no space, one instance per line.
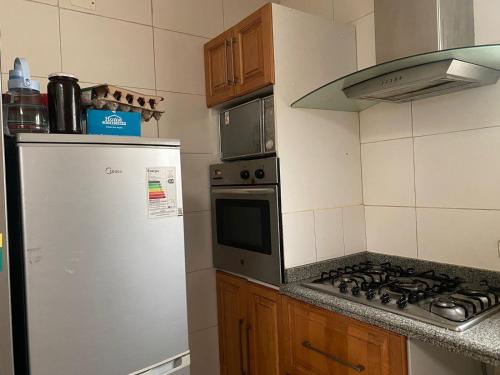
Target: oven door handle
256,191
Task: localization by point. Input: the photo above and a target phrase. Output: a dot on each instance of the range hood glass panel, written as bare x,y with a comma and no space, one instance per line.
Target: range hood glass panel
331,96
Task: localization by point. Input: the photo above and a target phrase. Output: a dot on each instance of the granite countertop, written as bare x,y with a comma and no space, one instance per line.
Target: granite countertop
481,342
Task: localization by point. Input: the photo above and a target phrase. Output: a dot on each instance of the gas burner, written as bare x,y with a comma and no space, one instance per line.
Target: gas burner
449,309
435,298
411,285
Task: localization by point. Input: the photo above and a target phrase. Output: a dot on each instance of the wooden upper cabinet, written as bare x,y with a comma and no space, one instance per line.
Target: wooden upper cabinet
219,69
263,330
316,341
241,59
231,302
253,41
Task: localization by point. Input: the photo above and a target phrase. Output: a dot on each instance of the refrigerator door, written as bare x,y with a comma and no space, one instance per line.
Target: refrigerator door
104,260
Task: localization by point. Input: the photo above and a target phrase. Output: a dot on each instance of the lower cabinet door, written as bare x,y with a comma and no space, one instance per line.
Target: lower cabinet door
316,341
263,326
231,301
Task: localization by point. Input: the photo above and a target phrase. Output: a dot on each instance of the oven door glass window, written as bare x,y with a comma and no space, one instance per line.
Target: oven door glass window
244,224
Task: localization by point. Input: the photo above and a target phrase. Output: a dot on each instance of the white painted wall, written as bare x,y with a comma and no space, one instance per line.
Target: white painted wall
318,150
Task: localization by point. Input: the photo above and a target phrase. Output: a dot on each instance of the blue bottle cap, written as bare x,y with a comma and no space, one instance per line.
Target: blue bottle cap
20,78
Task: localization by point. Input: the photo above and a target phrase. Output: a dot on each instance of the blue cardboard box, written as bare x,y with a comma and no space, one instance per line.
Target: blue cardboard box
113,122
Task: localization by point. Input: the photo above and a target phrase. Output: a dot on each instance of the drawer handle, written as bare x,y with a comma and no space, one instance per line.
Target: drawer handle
357,368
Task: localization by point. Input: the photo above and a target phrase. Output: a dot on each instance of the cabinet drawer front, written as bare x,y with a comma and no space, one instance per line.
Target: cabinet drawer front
324,343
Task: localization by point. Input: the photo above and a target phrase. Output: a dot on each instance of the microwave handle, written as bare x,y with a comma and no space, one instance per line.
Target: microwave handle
244,191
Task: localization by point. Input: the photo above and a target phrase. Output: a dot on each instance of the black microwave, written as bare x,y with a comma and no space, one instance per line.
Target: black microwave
247,130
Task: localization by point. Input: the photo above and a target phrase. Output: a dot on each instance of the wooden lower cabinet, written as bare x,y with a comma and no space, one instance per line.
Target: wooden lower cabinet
263,330
319,342
231,308
248,327
264,333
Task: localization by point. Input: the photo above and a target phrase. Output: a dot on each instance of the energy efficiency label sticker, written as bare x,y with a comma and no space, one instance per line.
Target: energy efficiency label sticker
162,194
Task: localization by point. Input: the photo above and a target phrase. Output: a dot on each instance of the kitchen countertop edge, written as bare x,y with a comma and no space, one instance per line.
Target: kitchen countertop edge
486,350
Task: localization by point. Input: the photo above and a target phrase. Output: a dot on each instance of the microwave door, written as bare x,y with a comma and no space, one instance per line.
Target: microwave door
240,130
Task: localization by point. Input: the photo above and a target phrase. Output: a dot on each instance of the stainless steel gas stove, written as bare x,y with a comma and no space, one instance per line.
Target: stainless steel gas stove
433,298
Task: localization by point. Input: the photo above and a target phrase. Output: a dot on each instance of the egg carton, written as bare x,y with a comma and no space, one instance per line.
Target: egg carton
116,98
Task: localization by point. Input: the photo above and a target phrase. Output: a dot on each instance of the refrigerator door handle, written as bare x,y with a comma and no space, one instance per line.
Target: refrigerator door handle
168,367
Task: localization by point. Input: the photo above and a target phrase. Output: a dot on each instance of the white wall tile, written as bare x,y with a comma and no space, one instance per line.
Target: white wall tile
93,48
486,26
129,10
469,109
388,177
365,41
464,237
385,121
201,300
391,230
236,10
196,17
329,234
349,10
458,170
196,181
354,229
204,346
49,2
187,118
149,129
179,62
198,240
320,162
322,8
299,243
30,30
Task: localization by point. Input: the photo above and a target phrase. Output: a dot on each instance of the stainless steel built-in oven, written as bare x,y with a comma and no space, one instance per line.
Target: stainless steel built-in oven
247,130
246,218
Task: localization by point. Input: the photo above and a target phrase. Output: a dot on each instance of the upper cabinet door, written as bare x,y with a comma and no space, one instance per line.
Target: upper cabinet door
219,69
253,49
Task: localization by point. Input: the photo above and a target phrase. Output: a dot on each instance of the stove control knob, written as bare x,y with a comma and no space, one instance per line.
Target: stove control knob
259,173
385,298
355,290
343,287
402,302
413,298
244,174
370,294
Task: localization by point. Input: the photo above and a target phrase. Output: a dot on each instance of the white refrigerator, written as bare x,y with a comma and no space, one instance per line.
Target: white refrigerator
94,254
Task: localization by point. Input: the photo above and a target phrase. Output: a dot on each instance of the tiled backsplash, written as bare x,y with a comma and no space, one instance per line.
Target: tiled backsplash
431,168
431,178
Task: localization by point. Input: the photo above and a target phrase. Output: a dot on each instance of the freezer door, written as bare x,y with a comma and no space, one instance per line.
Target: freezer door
104,264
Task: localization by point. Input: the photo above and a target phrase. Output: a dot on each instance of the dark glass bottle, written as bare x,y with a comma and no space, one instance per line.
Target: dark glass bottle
64,96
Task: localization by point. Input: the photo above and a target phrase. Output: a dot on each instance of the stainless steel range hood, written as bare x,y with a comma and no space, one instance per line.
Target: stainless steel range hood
423,81
436,35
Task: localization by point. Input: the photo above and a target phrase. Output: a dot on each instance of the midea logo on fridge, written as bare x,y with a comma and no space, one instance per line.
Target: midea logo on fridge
110,170
114,120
